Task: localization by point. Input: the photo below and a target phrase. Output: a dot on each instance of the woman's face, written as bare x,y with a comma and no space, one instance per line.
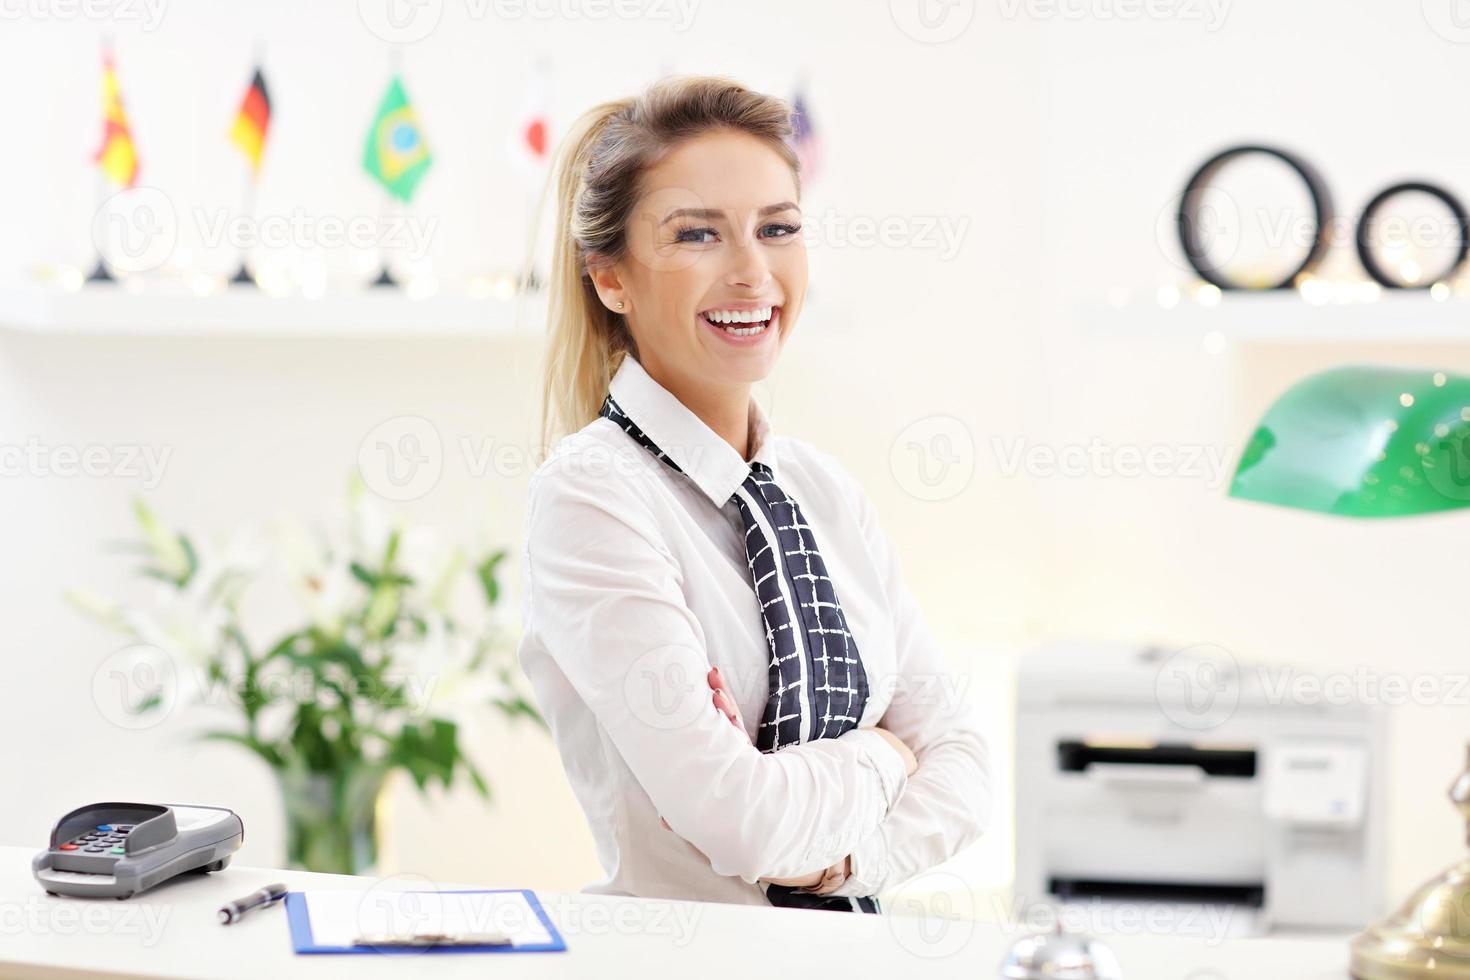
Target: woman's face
716,231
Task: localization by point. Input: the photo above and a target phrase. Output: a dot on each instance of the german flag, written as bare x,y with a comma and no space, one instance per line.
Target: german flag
252,121
116,155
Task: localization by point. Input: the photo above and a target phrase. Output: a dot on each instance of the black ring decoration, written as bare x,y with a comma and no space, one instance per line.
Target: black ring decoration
1370,261
1189,237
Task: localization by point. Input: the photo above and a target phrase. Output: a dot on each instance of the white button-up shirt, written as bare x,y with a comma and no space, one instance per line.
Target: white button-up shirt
636,583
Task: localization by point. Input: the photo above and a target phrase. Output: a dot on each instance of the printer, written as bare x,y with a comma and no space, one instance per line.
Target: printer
1158,774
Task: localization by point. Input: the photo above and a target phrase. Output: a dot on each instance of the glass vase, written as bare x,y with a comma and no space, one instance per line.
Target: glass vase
332,818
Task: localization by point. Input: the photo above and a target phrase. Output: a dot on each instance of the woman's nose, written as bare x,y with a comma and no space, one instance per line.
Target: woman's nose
748,268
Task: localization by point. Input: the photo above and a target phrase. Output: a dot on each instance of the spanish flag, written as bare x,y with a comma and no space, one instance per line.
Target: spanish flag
253,120
116,154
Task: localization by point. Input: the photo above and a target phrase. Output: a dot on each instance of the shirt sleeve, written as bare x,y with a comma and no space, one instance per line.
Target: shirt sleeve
947,802
605,596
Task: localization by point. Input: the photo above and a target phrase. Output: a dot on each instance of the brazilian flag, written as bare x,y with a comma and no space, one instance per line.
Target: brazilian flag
396,154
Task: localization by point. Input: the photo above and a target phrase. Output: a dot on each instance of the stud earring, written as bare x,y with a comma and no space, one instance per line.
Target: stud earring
620,305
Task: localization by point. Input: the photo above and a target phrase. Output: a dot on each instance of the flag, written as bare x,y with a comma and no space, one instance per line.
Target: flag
530,136
117,156
804,139
396,154
252,122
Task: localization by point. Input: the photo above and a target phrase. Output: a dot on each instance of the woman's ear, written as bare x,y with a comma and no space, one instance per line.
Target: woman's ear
608,283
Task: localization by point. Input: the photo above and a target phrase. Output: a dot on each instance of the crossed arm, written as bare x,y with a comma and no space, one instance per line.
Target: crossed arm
602,583
824,881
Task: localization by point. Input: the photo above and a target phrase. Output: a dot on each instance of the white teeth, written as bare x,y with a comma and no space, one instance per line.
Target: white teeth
739,316
746,331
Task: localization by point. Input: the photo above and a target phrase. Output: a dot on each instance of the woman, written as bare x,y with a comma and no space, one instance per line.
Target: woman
747,702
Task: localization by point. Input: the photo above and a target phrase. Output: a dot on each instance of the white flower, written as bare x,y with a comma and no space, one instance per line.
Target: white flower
320,574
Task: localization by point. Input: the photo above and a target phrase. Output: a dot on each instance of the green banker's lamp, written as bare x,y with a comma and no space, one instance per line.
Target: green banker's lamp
1379,442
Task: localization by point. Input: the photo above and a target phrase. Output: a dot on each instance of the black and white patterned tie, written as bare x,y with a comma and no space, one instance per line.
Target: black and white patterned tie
818,687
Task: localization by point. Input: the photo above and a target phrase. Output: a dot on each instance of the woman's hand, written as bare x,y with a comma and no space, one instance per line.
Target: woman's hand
828,879
724,698
725,704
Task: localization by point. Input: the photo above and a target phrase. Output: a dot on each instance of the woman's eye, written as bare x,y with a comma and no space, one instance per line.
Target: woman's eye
781,230
695,235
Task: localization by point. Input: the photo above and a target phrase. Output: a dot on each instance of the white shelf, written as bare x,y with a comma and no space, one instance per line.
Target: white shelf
1285,317
110,310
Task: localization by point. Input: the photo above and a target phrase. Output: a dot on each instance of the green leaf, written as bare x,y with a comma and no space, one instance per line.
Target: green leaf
517,706
486,573
374,579
191,557
445,741
477,780
430,754
284,645
153,700
382,611
174,555
269,754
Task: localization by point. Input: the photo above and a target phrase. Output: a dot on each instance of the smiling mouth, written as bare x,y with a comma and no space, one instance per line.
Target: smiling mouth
725,321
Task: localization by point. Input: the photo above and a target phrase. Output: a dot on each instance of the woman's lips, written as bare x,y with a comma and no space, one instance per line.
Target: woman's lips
772,325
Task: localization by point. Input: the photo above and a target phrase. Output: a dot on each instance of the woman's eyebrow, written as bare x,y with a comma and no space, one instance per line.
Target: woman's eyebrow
710,214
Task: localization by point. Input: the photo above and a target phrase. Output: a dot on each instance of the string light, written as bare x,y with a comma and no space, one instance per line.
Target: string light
71,278
1314,291
1317,292
505,287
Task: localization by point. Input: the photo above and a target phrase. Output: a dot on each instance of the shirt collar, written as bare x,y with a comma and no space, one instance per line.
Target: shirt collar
711,462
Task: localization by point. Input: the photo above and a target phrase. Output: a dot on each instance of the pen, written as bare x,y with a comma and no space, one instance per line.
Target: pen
236,909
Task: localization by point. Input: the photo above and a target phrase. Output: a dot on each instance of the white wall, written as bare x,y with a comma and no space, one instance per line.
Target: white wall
1130,110
259,429
1059,140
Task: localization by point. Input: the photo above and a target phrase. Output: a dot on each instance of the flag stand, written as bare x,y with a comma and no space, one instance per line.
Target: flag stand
243,276
528,281
100,272
385,277
529,148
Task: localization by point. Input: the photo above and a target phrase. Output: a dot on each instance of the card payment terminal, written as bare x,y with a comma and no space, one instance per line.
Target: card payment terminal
116,850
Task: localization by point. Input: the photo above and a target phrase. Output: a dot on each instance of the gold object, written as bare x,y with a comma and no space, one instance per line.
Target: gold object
1430,935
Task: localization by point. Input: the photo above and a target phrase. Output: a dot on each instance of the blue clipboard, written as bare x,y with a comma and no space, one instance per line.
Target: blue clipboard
302,940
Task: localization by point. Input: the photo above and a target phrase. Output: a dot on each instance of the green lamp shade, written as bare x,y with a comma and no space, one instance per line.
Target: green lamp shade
1363,442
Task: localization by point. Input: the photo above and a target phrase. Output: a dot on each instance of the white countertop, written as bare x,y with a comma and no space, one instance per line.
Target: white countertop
172,931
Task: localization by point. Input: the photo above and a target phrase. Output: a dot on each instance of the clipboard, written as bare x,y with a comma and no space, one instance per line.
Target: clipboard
338,914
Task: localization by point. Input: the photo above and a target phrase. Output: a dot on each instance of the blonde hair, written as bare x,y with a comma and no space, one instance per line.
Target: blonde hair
598,176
